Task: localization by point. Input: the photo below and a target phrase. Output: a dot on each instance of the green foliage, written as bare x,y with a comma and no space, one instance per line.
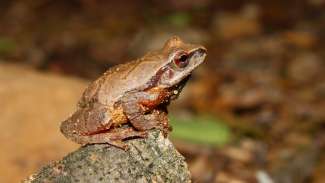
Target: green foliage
179,19
201,129
6,45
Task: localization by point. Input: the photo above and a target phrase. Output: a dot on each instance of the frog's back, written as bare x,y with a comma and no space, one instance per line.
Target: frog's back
116,81
110,80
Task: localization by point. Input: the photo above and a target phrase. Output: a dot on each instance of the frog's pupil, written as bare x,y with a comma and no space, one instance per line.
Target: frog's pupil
183,58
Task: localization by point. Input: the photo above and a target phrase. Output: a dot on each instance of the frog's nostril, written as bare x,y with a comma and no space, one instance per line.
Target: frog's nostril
201,51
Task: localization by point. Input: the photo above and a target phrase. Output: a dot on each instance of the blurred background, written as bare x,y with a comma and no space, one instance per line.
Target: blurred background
254,112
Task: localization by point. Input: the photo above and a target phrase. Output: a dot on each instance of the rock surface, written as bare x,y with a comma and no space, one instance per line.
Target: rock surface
153,159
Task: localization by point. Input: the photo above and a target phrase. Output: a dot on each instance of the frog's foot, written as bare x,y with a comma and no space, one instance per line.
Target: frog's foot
165,130
113,137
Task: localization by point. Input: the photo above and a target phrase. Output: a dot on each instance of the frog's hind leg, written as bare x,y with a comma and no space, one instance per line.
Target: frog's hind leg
114,137
92,119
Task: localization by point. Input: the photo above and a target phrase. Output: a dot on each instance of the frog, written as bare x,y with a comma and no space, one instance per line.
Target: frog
130,99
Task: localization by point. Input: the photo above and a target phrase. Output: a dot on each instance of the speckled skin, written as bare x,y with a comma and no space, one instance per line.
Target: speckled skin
129,99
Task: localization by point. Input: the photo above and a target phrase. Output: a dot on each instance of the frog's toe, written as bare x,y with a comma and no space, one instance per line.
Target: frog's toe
119,144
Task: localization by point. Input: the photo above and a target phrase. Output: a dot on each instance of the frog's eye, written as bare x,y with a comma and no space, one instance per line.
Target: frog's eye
181,60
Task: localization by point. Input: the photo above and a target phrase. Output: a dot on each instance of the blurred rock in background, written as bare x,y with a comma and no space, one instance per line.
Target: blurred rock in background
32,106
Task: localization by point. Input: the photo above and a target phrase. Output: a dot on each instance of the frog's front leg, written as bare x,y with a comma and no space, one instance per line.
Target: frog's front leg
141,108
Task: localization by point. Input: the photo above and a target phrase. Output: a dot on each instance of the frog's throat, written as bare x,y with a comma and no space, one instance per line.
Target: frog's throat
182,83
176,90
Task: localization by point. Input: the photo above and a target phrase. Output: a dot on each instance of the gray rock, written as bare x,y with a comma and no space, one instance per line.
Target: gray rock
153,159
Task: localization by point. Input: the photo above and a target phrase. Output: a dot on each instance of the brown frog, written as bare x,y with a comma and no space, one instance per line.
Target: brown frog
129,99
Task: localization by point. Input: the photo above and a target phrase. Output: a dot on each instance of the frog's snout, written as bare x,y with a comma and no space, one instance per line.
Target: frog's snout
201,51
